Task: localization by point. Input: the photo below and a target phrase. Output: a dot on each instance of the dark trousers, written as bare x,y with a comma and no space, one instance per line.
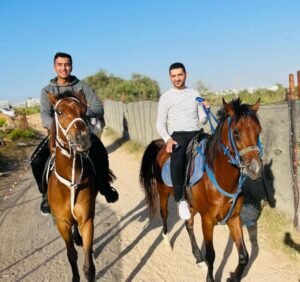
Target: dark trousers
178,162
97,154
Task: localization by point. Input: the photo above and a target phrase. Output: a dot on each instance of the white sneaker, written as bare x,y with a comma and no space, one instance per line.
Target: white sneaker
183,210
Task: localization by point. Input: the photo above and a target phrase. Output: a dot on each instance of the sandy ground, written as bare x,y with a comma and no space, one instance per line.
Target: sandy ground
127,247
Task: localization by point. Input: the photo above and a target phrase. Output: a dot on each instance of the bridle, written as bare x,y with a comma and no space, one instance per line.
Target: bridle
66,147
69,149
235,160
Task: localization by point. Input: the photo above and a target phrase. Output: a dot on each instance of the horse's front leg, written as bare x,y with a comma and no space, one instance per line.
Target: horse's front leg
189,224
87,232
76,235
66,232
236,231
208,229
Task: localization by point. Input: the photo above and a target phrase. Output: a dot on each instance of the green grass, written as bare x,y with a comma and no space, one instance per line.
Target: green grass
273,227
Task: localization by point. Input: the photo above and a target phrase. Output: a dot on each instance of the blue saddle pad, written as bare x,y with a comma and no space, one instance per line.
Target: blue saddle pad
199,167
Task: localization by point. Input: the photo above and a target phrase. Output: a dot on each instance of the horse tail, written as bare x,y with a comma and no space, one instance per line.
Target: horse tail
111,176
147,174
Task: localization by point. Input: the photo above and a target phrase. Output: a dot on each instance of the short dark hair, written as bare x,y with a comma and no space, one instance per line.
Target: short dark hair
177,66
62,55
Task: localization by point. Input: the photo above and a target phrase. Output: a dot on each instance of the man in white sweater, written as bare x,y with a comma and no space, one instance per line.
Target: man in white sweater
178,121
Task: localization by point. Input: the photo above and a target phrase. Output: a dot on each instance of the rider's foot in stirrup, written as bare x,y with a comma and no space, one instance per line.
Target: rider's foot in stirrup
111,194
183,210
45,208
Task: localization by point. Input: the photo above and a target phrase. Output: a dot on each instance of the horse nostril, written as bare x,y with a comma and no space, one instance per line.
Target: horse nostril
250,167
254,167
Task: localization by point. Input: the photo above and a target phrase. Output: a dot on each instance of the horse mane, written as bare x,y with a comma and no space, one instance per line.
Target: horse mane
52,133
214,142
68,94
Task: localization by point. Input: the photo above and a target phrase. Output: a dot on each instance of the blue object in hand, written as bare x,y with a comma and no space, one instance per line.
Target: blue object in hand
200,100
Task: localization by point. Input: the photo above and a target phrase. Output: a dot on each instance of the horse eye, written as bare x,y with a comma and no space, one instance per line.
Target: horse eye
236,133
58,112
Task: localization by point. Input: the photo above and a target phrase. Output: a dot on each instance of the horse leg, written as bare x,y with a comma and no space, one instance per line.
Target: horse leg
208,229
66,232
189,224
164,198
236,231
87,233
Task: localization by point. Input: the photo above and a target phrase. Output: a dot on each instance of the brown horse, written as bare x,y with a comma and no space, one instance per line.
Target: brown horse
232,153
71,185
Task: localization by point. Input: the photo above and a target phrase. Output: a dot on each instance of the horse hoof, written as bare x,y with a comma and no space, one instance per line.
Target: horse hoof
233,278
203,266
166,241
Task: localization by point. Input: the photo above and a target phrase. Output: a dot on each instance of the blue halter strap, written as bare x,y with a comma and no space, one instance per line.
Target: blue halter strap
234,196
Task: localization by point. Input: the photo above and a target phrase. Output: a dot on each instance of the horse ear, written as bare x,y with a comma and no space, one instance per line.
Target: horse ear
255,106
228,108
52,98
81,97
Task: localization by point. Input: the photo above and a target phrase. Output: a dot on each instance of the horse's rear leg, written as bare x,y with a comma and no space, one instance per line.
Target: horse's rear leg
208,229
87,233
164,198
66,232
189,224
236,231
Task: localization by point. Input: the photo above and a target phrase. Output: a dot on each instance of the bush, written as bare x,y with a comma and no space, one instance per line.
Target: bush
139,87
2,122
17,134
28,111
266,97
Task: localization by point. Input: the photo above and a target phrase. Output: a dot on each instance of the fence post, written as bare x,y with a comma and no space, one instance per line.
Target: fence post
294,150
298,75
291,93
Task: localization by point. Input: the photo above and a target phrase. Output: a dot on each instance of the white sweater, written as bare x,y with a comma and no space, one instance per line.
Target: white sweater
178,110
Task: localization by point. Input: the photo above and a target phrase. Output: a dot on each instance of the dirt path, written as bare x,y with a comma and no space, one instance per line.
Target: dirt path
126,246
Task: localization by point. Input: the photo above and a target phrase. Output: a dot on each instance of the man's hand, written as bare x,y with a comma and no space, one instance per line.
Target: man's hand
206,104
170,144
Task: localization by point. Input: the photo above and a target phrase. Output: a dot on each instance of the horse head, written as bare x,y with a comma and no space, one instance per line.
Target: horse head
71,129
243,130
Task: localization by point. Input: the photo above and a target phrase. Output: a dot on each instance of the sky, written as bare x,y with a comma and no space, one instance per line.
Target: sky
225,44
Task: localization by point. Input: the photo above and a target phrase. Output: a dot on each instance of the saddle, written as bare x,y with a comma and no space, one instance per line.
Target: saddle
195,161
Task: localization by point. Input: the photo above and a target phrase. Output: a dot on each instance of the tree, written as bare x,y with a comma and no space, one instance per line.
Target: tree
111,87
203,90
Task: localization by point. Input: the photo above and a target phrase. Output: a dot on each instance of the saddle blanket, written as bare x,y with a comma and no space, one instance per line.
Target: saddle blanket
198,166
